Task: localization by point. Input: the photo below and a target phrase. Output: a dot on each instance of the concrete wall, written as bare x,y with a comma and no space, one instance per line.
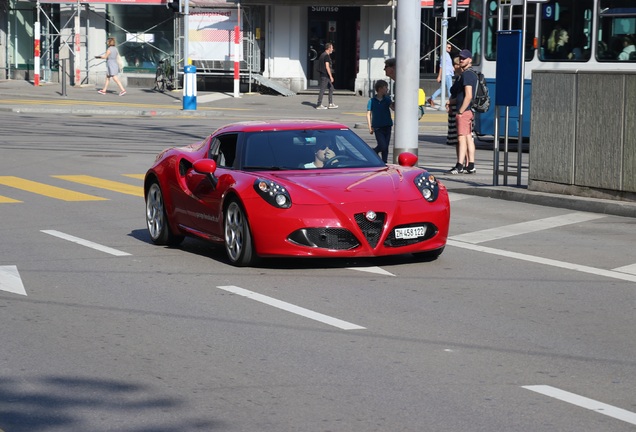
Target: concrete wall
375,47
584,133
286,51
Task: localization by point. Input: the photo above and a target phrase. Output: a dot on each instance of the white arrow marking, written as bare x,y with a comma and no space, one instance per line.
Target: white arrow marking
10,280
86,243
376,270
591,404
291,308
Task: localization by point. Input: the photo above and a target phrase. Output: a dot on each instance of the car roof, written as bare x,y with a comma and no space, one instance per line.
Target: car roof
280,125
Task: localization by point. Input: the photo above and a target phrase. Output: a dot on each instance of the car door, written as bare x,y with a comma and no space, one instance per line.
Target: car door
208,191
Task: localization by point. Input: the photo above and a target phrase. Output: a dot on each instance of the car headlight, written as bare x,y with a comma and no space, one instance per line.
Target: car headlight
273,193
427,185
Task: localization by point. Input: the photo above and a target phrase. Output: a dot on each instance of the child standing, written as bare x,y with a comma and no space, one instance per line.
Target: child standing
379,118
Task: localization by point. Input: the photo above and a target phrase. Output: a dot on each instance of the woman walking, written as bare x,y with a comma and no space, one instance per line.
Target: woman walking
112,67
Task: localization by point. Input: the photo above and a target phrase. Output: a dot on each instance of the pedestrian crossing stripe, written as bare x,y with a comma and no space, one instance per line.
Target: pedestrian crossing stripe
114,186
5,200
47,190
135,176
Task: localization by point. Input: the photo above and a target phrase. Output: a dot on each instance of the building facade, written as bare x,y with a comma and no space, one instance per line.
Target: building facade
280,40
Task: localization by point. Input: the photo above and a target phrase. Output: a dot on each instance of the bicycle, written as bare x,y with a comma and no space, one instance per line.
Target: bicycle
163,76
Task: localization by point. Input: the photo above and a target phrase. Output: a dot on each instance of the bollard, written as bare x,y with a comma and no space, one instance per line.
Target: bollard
62,74
189,87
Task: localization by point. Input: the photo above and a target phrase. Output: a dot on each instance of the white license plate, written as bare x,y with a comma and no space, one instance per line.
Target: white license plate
409,233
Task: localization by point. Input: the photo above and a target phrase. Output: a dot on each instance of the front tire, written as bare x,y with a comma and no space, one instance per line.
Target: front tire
238,238
157,220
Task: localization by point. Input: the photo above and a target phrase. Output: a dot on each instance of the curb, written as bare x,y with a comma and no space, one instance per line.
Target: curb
570,202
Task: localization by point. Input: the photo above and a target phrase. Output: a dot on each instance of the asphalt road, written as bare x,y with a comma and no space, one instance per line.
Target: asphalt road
525,323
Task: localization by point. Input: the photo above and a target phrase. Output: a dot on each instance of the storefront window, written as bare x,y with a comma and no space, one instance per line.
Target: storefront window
145,34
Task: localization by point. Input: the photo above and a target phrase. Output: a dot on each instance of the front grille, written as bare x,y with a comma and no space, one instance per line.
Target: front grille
372,230
391,241
325,238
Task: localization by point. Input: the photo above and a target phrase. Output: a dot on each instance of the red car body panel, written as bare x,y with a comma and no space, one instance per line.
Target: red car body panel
321,198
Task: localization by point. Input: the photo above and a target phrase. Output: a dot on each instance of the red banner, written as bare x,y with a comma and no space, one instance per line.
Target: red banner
429,3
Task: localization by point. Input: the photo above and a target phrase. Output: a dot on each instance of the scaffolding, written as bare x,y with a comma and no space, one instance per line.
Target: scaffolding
67,26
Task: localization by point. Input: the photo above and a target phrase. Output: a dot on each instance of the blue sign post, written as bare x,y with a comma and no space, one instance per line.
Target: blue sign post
508,78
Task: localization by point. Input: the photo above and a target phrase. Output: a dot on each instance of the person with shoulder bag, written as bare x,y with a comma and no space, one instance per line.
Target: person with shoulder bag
113,67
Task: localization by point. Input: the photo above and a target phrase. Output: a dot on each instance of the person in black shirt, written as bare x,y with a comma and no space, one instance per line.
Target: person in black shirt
325,68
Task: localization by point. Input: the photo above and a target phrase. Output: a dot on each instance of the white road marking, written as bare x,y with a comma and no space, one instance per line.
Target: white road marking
454,196
545,261
374,269
86,243
10,280
631,269
291,308
211,97
525,227
591,404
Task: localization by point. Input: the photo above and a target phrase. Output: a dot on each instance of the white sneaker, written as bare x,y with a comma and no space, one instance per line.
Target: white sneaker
333,106
321,107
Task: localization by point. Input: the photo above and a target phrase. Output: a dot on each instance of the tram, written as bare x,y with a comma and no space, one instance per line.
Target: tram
560,35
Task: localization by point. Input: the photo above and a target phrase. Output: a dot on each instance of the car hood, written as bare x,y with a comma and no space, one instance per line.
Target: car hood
385,184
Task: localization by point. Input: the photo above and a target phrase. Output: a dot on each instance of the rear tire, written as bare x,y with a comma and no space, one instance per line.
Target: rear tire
157,220
238,238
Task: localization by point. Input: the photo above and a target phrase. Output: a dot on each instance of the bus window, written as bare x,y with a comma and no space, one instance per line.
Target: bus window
490,41
566,30
616,31
475,18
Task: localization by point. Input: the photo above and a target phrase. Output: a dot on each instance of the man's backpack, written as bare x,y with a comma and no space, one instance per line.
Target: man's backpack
481,99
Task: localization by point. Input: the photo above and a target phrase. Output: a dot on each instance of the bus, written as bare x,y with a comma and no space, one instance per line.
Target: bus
560,35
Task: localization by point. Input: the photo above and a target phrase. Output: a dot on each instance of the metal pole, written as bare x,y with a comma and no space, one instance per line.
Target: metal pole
186,30
442,56
523,80
36,47
88,26
495,150
63,73
507,140
237,39
407,78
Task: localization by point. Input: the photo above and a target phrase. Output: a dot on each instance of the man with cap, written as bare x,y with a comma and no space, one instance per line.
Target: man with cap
463,100
389,68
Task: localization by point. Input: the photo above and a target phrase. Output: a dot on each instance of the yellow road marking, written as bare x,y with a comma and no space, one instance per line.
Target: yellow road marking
135,176
5,200
74,102
47,190
104,184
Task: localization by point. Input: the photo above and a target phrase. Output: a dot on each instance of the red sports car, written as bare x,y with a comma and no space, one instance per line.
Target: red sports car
294,188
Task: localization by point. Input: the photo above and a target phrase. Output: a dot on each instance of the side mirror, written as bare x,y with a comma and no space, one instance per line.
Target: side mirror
205,166
407,159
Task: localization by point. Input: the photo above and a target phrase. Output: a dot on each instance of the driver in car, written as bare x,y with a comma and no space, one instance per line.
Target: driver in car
322,153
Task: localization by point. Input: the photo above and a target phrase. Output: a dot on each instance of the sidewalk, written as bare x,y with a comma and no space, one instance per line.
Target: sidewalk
22,97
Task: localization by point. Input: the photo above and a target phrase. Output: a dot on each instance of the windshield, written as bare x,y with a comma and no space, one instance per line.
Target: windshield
301,149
